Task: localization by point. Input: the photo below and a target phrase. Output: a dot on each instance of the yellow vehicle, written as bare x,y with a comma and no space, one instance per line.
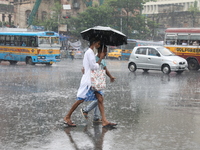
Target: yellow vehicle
116,53
185,42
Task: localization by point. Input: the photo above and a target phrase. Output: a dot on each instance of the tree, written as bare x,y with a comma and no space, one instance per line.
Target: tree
119,14
54,20
93,16
194,10
132,22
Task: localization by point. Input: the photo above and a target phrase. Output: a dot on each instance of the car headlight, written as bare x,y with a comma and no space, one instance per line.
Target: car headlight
175,62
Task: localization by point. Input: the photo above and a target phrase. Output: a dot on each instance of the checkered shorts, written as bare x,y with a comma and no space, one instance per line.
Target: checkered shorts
90,96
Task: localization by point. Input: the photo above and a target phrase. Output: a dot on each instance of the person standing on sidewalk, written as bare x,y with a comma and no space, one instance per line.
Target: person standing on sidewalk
85,92
72,54
94,104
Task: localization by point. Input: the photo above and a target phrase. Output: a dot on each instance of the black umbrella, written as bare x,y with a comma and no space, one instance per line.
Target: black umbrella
107,35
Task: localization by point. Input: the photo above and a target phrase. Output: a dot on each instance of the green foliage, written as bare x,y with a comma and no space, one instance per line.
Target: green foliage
131,21
53,21
93,16
110,14
7,24
194,10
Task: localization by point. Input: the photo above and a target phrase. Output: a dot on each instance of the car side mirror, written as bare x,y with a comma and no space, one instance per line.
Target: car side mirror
158,54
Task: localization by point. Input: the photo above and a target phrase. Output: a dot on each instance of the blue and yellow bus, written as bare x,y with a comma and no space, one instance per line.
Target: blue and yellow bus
127,49
30,47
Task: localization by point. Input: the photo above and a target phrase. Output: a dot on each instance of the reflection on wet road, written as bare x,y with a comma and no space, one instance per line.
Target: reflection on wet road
153,110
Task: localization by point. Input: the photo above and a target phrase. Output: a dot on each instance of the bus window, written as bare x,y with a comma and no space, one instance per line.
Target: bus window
184,42
12,40
55,40
44,41
195,43
194,40
48,42
7,42
17,40
182,39
2,40
33,42
24,41
170,39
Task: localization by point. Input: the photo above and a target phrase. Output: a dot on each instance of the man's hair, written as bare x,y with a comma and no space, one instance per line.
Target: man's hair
94,40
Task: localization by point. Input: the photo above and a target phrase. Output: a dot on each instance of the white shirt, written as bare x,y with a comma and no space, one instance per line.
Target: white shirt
89,63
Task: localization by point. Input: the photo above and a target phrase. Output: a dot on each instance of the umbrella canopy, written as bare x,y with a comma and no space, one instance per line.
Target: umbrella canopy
107,35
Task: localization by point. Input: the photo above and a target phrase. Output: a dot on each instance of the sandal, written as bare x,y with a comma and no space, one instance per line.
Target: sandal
109,125
85,114
70,123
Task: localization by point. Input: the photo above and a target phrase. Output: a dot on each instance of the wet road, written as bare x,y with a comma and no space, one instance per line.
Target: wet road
153,111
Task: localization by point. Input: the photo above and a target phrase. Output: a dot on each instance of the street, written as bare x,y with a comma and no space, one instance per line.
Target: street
153,111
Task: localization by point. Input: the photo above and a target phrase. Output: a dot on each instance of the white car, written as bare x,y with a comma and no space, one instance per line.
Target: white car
156,58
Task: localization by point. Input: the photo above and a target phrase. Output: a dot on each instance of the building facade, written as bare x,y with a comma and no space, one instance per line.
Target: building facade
6,12
172,13
17,11
163,6
23,9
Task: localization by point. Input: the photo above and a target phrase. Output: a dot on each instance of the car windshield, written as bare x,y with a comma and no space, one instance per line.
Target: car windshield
165,52
49,42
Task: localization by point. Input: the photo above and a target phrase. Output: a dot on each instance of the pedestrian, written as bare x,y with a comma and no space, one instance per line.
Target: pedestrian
184,42
72,54
85,92
94,104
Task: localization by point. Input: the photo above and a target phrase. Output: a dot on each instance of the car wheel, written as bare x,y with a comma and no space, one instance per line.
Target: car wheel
145,70
179,72
132,67
166,69
193,64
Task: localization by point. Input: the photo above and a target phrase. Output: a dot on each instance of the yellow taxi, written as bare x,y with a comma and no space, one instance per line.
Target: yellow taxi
116,53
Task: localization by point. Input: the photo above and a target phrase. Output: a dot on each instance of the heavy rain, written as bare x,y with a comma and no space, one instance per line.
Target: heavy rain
153,110
42,43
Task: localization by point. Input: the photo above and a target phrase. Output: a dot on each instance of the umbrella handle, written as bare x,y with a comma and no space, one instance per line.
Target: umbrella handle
102,48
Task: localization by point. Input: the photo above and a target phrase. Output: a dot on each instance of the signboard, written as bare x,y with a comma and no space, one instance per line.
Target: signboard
62,28
66,7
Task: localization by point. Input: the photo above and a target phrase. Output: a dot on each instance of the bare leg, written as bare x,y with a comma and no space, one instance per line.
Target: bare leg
101,108
74,106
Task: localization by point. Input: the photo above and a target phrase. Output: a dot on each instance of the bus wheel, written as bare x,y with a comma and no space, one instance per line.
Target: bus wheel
48,64
29,61
166,69
193,64
13,62
132,67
